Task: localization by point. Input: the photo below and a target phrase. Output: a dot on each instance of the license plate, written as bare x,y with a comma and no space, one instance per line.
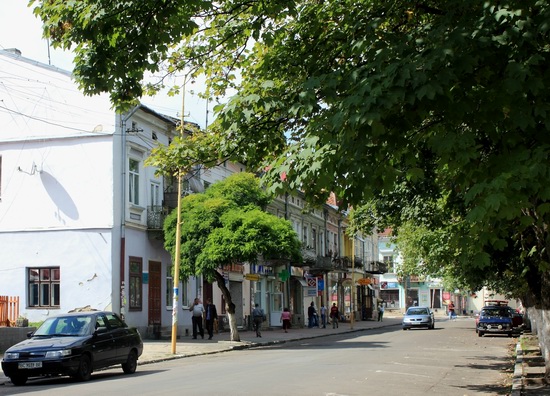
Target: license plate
30,365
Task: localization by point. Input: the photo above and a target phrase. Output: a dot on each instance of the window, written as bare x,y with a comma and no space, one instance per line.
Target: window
314,239
44,287
133,177
206,185
155,194
388,260
136,265
304,235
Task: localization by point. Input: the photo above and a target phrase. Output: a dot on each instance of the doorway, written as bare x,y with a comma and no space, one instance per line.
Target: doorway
155,293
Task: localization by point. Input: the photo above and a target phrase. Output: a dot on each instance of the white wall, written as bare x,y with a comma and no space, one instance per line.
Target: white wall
84,258
57,184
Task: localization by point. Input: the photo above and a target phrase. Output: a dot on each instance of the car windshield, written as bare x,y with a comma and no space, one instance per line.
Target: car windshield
418,311
65,326
496,312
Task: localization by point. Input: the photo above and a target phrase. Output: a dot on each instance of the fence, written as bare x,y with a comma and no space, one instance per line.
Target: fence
9,310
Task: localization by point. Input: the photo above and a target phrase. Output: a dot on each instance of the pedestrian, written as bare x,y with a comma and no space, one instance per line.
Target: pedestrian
451,310
312,315
334,315
380,312
323,311
258,317
285,319
197,310
211,315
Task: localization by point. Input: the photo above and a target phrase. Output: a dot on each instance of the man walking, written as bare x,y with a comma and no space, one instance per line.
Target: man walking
334,315
211,315
258,317
197,309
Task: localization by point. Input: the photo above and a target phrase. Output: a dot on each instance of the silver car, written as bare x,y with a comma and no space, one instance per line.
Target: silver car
418,317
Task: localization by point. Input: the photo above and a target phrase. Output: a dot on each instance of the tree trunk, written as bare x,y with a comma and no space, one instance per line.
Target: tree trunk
229,307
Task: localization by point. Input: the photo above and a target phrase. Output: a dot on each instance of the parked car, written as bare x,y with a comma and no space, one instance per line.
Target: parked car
517,317
74,344
495,319
418,317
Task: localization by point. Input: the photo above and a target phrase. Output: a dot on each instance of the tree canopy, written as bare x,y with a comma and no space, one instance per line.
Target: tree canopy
432,112
227,225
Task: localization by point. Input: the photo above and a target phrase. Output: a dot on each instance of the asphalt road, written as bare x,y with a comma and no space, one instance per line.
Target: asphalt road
450,360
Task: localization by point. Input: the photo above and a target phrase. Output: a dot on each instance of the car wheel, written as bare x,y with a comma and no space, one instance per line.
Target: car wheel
480,334
129,367
84,369
18,380
432,326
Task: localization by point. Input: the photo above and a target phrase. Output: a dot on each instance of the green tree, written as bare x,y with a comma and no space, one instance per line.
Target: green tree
407,107
225,225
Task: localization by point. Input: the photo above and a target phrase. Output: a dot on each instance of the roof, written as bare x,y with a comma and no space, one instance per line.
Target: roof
39,101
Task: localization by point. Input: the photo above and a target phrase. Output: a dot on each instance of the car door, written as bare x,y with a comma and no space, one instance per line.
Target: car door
122,336
104,346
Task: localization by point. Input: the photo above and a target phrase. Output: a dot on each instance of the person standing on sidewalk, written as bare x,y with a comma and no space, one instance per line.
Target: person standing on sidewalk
312,316
258,316
323,311
197,309
334,315
380,312
211,315
285,318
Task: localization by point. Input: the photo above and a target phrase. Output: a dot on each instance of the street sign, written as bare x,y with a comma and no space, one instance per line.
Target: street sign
312,282
252,277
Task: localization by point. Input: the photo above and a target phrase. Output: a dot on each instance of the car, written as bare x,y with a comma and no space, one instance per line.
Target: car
516,315
495,319
418,317
74,344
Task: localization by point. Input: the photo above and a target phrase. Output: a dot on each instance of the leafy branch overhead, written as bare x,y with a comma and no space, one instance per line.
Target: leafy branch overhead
429,113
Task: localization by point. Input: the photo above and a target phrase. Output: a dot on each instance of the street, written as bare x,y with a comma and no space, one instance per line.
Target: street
449,360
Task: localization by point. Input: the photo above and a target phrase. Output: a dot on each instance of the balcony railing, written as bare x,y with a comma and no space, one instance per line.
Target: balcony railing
376,267
155,217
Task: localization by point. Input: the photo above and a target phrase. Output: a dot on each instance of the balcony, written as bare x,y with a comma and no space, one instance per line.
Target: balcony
155,217
376,267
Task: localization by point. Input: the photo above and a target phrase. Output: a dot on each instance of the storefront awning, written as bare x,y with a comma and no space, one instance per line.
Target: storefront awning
302,282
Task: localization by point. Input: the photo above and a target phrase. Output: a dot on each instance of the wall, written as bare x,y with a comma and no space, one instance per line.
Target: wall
12,335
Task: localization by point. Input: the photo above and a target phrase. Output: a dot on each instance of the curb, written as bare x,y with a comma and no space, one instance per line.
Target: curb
517,381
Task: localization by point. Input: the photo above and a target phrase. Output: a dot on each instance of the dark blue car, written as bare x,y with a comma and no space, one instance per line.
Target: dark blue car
74,344
495,320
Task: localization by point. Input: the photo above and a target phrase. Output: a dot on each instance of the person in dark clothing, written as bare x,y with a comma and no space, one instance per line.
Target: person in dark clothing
312,316
334,315
258,316
211,314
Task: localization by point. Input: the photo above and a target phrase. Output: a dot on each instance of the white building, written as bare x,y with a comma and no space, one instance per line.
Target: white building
79,211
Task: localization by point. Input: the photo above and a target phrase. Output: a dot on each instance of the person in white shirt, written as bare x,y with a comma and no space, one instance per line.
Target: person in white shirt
197,310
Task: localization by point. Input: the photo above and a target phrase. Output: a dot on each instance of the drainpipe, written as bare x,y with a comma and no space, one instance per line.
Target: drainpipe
123,120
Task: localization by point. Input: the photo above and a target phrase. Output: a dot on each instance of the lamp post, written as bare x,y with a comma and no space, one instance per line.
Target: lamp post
177,259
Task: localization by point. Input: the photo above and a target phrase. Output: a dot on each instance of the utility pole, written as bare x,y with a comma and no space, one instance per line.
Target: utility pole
177,259
352,292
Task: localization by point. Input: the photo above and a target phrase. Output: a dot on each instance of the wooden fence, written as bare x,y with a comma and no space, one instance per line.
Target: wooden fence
9,310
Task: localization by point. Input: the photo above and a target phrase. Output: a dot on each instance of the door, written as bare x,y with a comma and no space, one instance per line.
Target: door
155,295
275,308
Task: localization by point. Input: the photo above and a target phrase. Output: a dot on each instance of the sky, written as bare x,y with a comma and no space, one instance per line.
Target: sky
20,29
